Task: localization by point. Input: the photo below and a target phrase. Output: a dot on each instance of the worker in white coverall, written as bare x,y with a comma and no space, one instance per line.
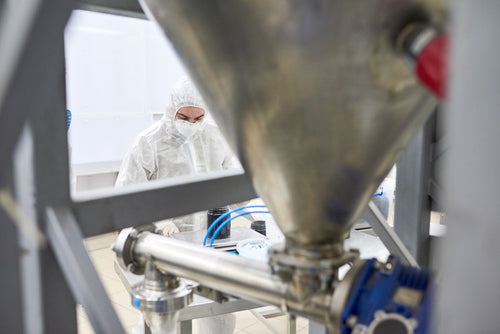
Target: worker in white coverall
181,143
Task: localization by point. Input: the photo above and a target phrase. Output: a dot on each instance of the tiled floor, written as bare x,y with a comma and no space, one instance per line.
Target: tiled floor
102,256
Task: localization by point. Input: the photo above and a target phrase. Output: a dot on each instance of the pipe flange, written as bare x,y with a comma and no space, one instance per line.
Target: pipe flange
125,244
308,274
309,261
161,301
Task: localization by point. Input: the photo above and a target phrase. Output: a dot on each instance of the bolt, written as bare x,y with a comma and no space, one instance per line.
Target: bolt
131,267
134,233
352,321
113,247
158,231
388,266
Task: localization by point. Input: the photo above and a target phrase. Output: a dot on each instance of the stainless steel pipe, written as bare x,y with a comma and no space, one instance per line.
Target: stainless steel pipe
221,271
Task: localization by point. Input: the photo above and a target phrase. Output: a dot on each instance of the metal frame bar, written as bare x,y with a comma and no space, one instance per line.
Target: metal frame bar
141,204
50,185
265,322
66,240
130,8
11,317
413,203
30,48
388,236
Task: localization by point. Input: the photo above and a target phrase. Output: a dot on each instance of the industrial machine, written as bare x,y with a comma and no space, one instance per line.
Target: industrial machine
318,99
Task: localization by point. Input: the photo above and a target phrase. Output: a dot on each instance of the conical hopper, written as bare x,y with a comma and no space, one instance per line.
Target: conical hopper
310,95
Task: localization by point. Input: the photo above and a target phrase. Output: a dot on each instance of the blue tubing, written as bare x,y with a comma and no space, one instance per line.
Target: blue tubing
214,223
227,222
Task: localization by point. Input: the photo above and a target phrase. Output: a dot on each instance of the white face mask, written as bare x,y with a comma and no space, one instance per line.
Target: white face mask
185,128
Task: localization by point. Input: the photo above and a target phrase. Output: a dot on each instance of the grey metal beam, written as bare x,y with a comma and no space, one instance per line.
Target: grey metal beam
11,315
41,177
51,140
388,236
45,295
413,204
67,242
29,48
469,300
130,8
140,204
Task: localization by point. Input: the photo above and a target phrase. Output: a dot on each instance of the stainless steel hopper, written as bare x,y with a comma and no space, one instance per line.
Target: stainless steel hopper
310,94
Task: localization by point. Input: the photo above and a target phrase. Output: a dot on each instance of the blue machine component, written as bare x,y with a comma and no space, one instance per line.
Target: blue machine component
68,118
389,298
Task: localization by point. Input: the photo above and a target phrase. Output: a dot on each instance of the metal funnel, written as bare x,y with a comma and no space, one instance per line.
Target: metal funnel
311,96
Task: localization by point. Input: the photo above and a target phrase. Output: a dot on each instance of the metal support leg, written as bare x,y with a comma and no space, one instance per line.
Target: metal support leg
413,203
67,241
291,324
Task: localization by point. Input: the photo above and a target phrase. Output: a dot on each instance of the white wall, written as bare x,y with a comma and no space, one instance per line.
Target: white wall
119,72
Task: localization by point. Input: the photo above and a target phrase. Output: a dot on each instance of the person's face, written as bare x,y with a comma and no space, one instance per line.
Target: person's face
190,114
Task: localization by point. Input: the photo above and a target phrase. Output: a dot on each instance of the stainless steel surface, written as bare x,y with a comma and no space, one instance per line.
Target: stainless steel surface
469,258
386,233
415,37
201,307
310,95
124,245
160,293
105,211
160,296
309,273
67,242
225,272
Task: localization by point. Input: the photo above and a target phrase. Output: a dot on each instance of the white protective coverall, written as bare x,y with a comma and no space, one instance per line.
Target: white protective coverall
163,151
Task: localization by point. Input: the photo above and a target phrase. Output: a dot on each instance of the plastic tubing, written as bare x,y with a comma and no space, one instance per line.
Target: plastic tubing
227,222
225,215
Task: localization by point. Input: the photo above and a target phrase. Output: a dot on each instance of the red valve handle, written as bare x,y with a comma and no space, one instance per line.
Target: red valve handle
432,65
